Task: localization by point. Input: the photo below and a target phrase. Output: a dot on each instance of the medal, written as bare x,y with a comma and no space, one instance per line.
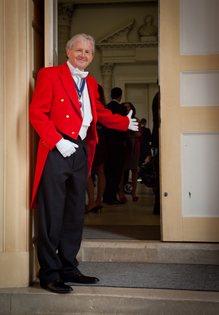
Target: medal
80,90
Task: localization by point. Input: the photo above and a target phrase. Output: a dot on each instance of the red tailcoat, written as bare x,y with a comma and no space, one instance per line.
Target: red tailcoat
55,108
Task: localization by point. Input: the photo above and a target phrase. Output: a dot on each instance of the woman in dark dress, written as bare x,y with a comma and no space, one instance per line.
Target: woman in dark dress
132,156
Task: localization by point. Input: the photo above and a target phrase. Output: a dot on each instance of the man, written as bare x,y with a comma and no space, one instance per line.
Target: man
145,148
64,111
115,140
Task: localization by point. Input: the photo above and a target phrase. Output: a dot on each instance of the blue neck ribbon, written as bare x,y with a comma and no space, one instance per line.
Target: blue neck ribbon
81,89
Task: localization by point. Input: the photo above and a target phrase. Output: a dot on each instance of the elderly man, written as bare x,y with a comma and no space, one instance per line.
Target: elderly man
64,112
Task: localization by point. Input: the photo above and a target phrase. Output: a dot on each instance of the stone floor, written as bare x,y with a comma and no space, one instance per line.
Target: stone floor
131,213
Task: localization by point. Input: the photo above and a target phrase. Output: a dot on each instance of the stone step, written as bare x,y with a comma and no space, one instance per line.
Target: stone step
149,252
107,301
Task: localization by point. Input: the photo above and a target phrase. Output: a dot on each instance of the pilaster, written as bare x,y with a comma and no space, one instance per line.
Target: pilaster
14,130
107,74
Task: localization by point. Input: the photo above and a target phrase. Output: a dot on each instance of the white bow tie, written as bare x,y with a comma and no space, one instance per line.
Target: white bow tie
79,73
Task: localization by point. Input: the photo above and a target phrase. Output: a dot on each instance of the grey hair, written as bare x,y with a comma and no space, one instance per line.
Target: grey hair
82,36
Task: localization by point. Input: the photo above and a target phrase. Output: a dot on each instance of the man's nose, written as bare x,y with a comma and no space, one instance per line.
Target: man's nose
83,53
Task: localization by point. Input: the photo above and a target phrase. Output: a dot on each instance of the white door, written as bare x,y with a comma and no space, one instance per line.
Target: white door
189,133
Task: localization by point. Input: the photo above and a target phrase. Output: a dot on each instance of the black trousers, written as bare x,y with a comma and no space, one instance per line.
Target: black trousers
61,199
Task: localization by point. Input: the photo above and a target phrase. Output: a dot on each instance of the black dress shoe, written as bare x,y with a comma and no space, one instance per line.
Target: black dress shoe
57,286
80,278
94,209
116,202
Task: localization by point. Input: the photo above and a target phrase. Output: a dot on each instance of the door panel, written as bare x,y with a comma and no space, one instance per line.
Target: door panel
189,132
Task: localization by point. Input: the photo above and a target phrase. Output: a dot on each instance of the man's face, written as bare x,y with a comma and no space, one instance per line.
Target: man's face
81,54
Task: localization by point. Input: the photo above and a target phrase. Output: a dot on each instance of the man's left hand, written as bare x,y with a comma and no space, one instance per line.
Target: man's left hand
133,124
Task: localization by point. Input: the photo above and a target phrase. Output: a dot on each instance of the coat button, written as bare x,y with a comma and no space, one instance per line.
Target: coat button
73,132
67,116
62,100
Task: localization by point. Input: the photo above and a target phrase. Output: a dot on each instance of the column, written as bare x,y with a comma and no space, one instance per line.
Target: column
65,12
107,73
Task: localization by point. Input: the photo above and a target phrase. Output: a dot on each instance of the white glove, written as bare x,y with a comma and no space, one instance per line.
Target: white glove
133,124
66,147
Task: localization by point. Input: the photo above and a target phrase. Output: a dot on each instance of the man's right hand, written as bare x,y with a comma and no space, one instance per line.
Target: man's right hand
66,147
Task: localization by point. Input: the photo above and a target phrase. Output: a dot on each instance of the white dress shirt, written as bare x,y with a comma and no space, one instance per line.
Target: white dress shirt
86,106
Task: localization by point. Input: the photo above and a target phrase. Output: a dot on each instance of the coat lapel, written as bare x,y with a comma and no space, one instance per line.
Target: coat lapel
68,85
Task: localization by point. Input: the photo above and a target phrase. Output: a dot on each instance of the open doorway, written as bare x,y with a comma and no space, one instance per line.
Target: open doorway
130,57
131,63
